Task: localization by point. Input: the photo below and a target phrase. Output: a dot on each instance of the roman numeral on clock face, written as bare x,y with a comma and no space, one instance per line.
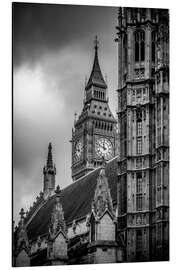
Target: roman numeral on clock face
103,148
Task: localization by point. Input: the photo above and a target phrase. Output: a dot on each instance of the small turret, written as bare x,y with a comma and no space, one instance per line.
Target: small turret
49,172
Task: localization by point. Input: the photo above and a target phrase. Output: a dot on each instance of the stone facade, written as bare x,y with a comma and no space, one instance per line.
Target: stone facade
143,117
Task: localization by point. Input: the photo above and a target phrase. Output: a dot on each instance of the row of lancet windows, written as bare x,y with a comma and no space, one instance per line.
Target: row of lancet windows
139,39
143,13
104,126
99,94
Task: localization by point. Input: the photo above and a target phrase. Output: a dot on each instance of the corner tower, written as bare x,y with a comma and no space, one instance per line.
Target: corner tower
94,132
143,119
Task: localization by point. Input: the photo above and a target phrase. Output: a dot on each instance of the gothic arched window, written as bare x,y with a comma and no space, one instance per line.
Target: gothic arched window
139,131
139,192
139,46
153,46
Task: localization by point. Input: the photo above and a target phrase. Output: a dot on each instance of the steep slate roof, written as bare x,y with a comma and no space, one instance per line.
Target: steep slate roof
76,200
96,77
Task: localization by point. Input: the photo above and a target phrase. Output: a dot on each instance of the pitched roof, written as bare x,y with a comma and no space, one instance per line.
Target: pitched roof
76,200
96,77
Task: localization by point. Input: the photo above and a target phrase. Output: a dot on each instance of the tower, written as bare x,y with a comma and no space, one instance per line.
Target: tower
94,133
143,105
49,172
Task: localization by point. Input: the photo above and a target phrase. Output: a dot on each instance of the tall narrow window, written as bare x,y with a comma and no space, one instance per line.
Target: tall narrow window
139,131
125,49
136,46
139,192
139,184
153,46
139,246
142,50
159,232
139,46
139,145
139,128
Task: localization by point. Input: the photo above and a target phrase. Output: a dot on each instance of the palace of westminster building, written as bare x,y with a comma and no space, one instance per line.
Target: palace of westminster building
117,207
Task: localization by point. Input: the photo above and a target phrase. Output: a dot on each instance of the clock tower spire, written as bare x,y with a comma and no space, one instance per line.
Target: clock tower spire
94,134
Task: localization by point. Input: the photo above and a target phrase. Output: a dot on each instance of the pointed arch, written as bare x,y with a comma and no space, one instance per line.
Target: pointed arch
139,43
153,46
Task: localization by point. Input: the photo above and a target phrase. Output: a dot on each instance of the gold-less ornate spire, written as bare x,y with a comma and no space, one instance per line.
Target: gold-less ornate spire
49,157
49,172
96,77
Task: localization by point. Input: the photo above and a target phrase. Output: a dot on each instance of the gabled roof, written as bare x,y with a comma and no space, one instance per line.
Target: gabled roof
96,77
76,200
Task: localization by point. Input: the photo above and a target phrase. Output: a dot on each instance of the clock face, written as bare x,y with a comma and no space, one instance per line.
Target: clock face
78,150
104,148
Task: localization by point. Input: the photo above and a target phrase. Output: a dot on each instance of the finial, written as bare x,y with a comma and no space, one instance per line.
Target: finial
58,190
96,43
22,213
41,194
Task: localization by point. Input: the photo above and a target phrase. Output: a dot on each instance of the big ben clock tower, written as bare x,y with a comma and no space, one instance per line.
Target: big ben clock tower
95,131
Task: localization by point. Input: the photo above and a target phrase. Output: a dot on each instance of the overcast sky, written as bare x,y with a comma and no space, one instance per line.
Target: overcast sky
53,52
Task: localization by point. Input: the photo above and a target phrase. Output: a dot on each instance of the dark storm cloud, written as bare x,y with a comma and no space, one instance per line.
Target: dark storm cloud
42,27
53,51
